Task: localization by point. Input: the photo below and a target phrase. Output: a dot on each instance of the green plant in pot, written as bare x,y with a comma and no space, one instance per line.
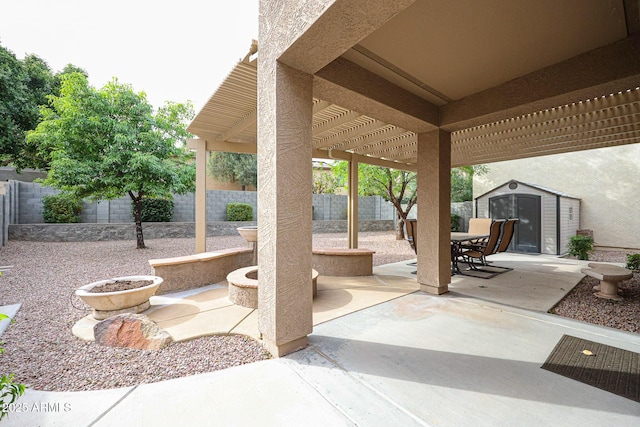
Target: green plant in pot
581,247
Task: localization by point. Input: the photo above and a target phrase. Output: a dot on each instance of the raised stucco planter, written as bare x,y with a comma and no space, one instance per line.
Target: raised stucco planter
243,286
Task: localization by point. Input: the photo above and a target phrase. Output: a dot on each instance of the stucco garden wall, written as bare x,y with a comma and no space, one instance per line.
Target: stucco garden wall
606,181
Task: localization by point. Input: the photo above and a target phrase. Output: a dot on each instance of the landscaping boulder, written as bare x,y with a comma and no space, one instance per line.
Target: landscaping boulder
131,330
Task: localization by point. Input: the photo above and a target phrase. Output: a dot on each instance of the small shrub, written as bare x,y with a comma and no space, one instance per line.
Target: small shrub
455,222
61,208
581,246
156,210
239,212
633,262
9,390
9,393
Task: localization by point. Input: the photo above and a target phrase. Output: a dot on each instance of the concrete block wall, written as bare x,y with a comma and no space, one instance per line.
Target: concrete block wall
30,201
217,201
184,208
89,212
26,175
120,210
4,229
465,211
327,207
158,230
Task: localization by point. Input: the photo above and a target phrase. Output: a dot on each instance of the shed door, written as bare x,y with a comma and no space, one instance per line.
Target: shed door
526,208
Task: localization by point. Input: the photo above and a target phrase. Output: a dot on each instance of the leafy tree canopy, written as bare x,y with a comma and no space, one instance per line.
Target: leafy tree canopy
399,187
462,181
393,185
24,87
324,183
107,143
16,113
234,167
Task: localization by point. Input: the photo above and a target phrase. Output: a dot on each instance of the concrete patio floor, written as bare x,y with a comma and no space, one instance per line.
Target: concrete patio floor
412,359
208,310
537,282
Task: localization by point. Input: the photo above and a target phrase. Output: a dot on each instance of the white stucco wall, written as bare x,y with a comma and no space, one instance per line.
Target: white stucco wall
606,180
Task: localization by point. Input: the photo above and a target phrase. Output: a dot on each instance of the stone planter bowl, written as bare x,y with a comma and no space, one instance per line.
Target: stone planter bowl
106,304
249,233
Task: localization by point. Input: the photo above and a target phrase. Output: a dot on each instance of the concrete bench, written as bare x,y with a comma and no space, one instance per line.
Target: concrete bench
609,276
342,261
243,286
193,271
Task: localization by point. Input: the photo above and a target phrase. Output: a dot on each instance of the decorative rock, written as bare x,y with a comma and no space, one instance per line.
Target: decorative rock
131,330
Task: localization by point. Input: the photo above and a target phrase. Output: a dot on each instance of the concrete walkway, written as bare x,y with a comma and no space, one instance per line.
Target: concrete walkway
452,360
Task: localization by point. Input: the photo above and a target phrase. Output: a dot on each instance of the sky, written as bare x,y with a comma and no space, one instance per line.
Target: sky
172,50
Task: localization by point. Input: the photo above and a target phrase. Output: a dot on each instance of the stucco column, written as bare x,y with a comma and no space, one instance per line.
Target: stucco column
434,211
201,195
285,111
353,204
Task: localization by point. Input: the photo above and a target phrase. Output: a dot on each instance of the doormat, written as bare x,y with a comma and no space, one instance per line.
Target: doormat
608,368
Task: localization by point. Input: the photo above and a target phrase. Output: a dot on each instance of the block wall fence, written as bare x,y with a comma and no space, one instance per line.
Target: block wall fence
22,209
29,206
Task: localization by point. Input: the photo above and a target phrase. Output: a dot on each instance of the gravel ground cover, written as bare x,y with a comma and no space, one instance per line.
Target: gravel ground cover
44,355
580,304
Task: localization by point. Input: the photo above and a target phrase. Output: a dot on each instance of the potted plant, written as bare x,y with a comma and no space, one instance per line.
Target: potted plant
581,246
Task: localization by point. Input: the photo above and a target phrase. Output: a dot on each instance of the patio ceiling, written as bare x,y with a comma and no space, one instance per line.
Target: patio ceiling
508,79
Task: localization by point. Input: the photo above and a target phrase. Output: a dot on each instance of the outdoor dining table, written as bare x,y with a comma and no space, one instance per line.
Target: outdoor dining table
457,239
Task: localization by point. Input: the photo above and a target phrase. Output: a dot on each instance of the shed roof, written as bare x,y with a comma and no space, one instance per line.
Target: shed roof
538,187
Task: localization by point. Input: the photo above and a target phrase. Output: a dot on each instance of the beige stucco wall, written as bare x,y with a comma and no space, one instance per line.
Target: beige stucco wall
214,184
606,180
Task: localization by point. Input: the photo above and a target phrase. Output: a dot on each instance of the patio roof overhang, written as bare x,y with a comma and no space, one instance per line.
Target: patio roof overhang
415,84
590,100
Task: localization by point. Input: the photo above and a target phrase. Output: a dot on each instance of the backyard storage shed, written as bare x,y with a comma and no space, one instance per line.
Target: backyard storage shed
547,218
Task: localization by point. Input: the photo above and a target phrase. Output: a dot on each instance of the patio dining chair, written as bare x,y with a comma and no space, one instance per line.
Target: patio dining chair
411,225
483,248
479,225
507,234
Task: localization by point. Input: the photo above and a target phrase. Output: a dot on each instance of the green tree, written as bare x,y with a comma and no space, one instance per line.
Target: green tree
16,113
107,143
234,167
31,155
393,185
462,182
324,183
25,86
399,187
68,69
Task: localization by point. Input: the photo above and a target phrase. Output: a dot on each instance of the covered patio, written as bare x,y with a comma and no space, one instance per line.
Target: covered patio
537,283
416,85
